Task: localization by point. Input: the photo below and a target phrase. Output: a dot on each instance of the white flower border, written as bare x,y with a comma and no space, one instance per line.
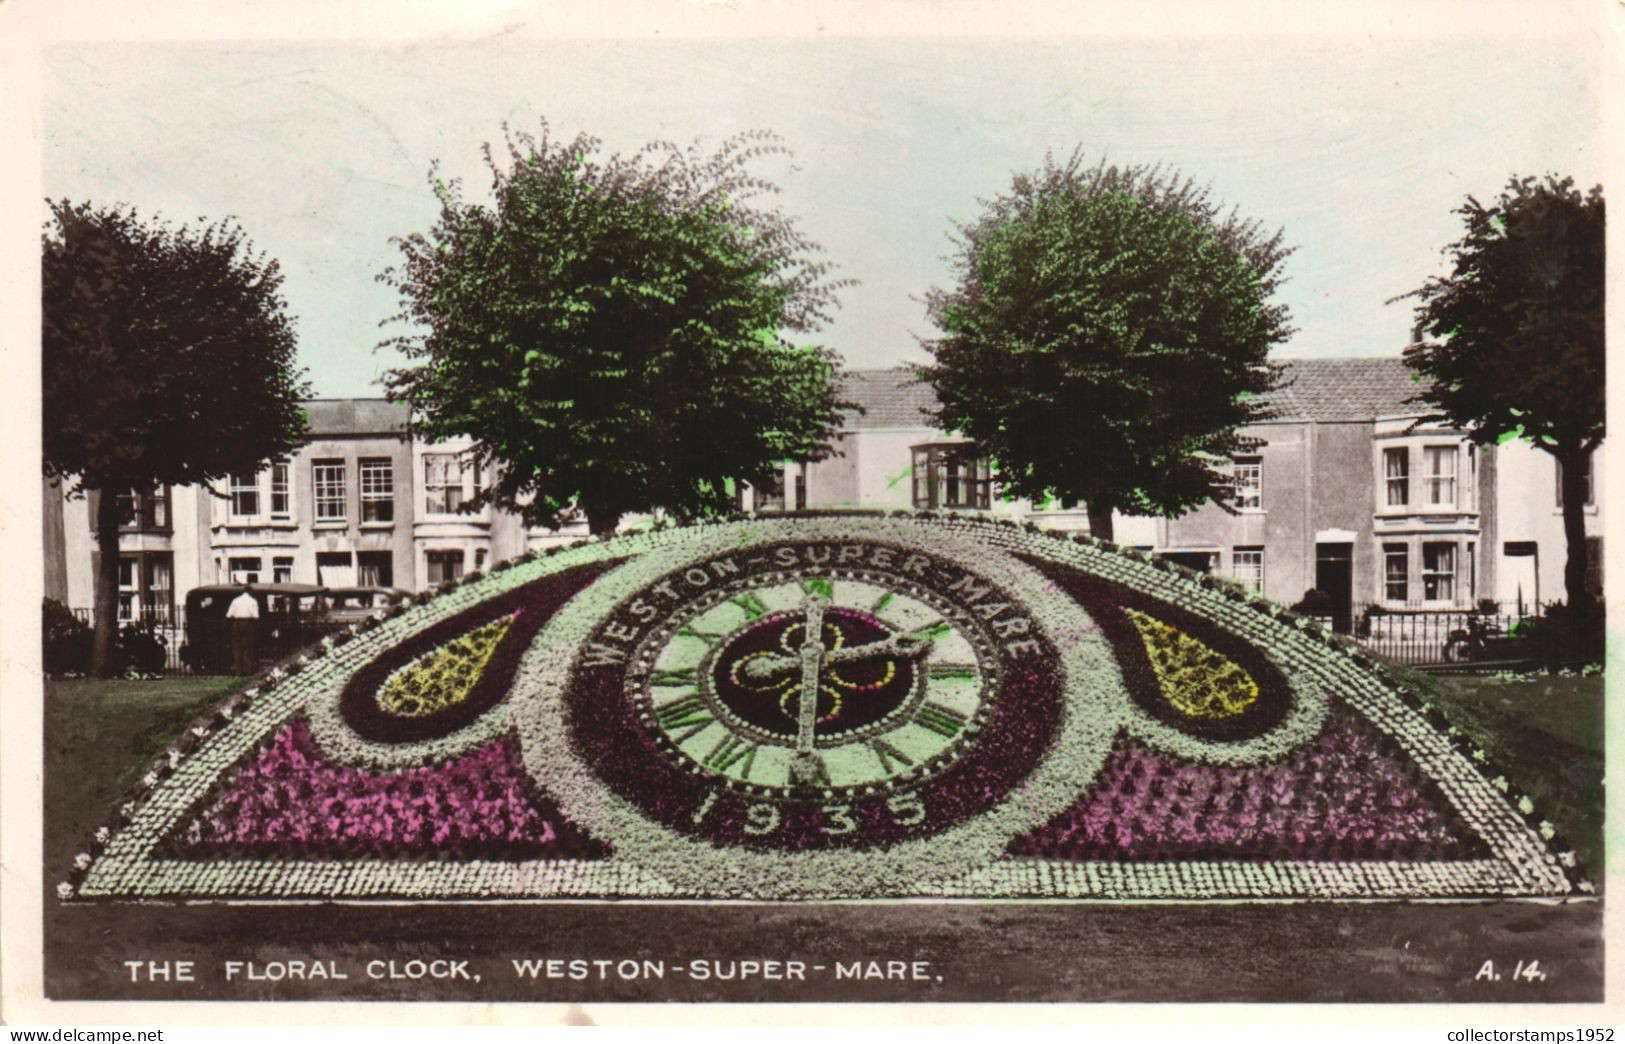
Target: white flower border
121,862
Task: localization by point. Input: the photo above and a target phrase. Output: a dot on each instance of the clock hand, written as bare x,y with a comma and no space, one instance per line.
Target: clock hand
812,661
898,646
806,767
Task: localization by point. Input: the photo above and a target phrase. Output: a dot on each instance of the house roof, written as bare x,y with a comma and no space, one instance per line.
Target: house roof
1343,389
1326,390
356,416
894,398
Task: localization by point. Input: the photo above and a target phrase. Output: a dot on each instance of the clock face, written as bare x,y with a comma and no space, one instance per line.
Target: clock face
798,680
810,695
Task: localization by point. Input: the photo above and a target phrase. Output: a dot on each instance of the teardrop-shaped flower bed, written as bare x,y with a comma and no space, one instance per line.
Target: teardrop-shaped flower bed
445,677
1195,680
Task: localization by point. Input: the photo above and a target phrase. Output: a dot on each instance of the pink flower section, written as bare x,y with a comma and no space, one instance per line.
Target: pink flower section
292,802
1346,796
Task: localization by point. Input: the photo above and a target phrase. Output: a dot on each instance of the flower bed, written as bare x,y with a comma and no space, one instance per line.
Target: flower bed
1056,718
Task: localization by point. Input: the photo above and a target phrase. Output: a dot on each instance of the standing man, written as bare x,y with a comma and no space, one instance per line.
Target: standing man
243,620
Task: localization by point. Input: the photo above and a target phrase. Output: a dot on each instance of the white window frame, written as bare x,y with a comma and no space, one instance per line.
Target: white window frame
446,472
1248,473
1402,553
129,586
237,568
1397,481
319,483
1442,572
954,477
279,474
238,489
431,554
1247,565
368,469
1440,484
282,569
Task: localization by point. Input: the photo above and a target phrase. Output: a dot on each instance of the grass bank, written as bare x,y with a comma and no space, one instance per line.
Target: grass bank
100,736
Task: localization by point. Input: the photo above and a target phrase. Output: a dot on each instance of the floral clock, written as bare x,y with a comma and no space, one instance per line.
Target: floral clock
823,708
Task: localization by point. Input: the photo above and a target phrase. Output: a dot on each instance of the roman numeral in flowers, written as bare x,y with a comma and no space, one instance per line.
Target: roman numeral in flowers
889,756
729,750
754,607
690,714
944,721
710,638
673,677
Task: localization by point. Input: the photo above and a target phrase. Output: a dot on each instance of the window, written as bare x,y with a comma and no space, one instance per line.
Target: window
245,495
1396,572
1396,468
1439,573
1249,473
281,503
479,560
1589,501
335,569
377,490
328,477
449,482
375,569
243,570
128,570
1441,475
950,477
144,511
444,566
281,570
1247,565
769,496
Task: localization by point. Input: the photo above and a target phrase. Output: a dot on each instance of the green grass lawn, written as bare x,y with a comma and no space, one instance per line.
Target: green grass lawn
1544,733
100,736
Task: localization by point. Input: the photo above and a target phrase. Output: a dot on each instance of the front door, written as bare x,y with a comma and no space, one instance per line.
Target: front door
1334,574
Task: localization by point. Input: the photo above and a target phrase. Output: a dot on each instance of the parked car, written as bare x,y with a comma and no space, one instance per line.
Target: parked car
291,616
348,605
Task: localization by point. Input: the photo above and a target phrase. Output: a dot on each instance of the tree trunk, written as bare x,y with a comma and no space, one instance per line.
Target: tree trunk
1100,522
1572,468
103,651
601,521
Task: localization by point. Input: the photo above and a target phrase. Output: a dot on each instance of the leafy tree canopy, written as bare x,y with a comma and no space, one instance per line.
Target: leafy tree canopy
168,355
609,331
1514,334
168,359
1108,337
1513,341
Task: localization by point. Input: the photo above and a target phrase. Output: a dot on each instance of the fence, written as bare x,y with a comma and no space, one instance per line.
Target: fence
161,634
1434,637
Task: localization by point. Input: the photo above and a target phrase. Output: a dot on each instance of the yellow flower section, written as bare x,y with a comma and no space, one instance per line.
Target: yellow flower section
1196,680
445,677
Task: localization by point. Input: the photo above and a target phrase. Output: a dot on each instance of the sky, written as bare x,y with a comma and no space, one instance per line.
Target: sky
1358,146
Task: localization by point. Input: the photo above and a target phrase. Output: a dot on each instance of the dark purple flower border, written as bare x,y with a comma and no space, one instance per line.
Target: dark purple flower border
1350,794
534,603
1107,602
291,802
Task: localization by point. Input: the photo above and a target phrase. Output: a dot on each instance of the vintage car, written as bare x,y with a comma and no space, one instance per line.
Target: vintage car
291,616
348,605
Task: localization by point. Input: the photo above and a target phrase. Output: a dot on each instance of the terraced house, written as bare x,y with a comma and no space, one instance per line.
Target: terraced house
1349,492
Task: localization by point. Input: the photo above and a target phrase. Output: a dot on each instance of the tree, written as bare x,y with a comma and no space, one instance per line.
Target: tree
168,359
1107,338
609,331
1514,342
